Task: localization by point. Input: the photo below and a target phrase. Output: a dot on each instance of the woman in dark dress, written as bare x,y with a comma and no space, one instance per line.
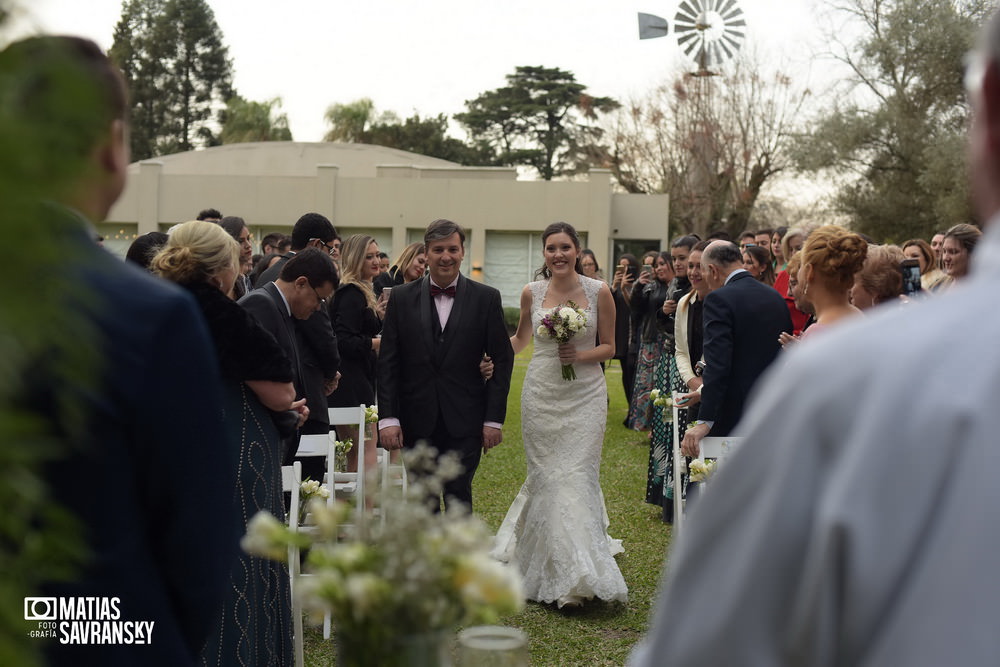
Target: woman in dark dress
255,623
357,321
409,266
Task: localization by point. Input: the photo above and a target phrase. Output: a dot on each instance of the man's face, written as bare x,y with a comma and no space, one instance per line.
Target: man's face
444,259
306,299
764,240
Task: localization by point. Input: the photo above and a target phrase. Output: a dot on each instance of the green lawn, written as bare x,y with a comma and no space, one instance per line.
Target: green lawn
597,633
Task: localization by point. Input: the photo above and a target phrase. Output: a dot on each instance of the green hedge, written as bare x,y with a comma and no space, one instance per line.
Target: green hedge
510,318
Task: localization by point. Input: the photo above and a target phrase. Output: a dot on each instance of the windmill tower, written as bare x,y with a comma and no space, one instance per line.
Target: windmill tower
709,32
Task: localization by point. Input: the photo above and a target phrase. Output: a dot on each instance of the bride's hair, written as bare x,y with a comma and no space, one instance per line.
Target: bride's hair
560,228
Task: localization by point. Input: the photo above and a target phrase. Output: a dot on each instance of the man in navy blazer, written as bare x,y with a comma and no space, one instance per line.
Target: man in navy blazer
141,461
743,319
436,332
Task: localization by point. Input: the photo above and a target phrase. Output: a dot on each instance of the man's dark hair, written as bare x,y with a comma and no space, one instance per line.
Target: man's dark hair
765,230
723,254
144,247
312,226
60,96
689,241
209,214
315,265
442,229
720,235
273,239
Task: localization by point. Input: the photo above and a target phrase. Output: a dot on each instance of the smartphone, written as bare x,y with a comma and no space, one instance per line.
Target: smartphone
911,277
646,268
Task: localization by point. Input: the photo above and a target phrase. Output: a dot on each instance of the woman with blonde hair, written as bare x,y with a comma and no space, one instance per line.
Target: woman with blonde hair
410,265
255,622
357,320
830,259
880,279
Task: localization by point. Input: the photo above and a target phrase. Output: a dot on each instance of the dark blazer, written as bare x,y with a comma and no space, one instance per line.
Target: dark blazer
743,320
355,325
150,475
268,307
318,355
422,374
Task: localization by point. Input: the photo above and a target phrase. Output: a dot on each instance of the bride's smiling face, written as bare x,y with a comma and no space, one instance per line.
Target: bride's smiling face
560,253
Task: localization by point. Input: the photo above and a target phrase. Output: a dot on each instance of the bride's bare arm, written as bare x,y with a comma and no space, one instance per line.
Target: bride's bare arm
522,336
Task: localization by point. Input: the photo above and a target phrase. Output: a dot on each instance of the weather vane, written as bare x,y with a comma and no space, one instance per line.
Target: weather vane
709,32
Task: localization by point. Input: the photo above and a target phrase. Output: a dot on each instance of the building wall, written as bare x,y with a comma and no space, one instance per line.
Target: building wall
392,202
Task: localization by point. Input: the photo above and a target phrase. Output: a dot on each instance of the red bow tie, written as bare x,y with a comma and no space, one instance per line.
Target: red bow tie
438,291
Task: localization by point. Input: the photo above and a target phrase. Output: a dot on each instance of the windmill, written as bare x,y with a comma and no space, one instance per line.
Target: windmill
709,32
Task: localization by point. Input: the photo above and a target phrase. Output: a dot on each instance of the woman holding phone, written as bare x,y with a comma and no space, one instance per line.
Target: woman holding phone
647,301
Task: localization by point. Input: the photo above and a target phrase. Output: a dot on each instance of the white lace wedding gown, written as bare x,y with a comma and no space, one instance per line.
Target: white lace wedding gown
556,529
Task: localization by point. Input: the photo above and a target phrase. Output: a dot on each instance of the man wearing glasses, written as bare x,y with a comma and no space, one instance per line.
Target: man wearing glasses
284,307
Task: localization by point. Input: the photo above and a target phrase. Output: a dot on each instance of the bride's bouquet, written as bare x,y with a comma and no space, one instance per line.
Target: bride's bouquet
561,324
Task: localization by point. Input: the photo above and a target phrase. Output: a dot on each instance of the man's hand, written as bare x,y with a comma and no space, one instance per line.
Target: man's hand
690,445
491,437
391,437
330,385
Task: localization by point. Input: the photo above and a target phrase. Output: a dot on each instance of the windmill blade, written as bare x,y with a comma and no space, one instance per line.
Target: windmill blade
652,26
687,14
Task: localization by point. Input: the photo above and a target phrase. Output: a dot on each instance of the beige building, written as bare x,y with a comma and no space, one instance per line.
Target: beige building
390,194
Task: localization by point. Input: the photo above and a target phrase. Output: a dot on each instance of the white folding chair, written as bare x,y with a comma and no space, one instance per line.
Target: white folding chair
291,479
717,448
349,483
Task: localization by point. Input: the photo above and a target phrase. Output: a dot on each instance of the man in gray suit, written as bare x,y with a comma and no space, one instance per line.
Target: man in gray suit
855,524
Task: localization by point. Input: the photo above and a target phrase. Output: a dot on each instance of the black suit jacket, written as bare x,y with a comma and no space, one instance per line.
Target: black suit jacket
422,376
150,475
743,320
318,354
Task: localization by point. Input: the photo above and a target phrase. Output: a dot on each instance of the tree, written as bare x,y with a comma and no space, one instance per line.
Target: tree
178,71
898,123
539,119
245,121
426,136
711,142
350,121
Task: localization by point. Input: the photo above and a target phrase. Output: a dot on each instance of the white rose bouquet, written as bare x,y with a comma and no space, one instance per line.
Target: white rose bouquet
665,402
699,470
340,449
561,324
310,489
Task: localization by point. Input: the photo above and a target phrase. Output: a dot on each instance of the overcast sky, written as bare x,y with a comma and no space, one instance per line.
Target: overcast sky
431,56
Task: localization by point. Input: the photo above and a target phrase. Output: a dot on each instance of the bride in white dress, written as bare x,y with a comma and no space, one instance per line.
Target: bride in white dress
556,529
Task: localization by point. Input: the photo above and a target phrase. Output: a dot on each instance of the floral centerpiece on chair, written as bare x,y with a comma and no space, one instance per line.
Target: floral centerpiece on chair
419,574
340,449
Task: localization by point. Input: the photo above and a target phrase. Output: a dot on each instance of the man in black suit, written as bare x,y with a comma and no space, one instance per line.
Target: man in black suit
302,290
136,453
317,342
743,319
435,333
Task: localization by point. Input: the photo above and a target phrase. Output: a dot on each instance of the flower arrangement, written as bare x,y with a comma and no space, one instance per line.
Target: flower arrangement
309,489
561,324
417,573
699,470
371,418
665,402
340,449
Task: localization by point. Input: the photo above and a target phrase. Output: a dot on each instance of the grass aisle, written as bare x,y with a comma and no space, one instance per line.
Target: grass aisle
597,633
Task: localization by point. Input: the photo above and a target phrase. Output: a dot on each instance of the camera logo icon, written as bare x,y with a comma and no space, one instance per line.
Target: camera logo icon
40,609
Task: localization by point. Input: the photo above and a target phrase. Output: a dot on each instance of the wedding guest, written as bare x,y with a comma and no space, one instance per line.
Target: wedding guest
841,561
357,320
410,265
589,265
271,243
763,238
144,247
801,302
743,319
647,302
383,262
791,243
880,279
931,277
956,250
132,449
622,282
254,626
747,238
780,260
236,227
210,215
830,259
556,530
937,240
757,261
